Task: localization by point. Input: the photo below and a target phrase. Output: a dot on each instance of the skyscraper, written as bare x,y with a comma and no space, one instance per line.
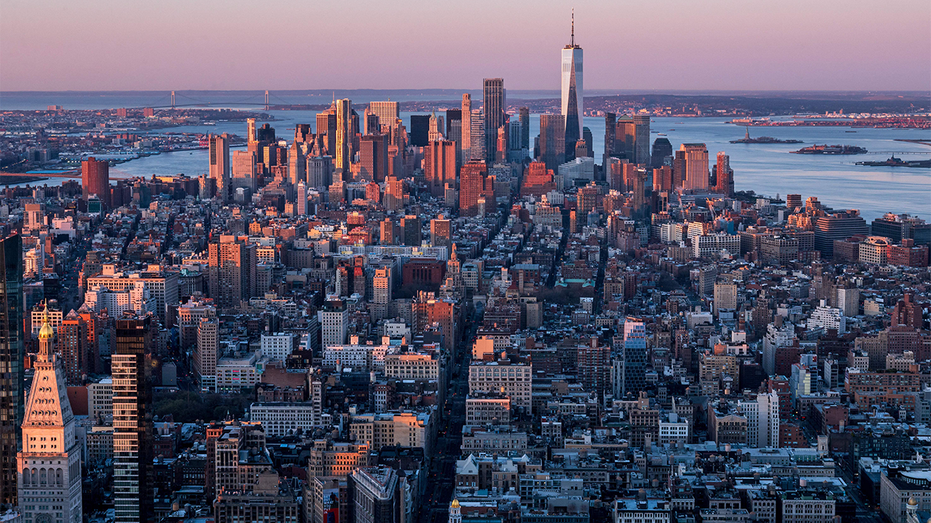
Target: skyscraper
326,125
610,132
635,356
231,271
387,113
297,164
251,137
572,92
524,119
373,156
95,180
477,134
220,164
494,107
72,345
696,166
466,144
642,139
11,362
50,462
724,176
439,163
420,130
475,184
454,131
437,128
132,420
661,150
552,140
343,136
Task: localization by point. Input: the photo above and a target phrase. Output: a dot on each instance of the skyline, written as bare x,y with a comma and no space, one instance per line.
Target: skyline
833,46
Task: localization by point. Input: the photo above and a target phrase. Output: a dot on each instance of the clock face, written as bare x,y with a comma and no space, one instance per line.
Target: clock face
43,518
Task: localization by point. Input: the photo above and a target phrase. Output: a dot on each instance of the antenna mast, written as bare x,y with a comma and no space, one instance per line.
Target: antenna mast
572,37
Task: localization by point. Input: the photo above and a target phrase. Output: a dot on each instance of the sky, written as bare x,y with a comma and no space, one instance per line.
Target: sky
57,45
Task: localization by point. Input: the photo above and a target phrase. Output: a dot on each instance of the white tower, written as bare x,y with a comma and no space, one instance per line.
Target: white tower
454,514
50,463
572,92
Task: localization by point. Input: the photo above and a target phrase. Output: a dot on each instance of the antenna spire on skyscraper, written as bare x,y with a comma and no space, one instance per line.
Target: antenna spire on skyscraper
572,37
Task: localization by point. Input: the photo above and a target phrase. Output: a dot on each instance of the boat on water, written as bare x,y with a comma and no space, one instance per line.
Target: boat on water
762,139
831,149
894,161
661,134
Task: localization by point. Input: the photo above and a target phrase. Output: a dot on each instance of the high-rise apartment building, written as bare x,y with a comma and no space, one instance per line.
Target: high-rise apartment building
454,131
251,136
50,480
132,420
219,150
12,353
334,323
635,356
205,355
494,107
572,107
439,165
326,126
696,166
95,180
72,346
231,271
477,134
465,145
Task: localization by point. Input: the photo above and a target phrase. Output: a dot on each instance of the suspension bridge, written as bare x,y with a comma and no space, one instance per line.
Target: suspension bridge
176,100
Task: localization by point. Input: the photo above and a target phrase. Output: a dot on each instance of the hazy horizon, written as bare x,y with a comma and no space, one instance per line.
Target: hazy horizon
832,45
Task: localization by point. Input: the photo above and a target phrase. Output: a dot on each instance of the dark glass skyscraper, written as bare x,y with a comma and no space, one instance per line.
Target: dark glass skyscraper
572,97
524,116
420,129
11,362
495,105
661,149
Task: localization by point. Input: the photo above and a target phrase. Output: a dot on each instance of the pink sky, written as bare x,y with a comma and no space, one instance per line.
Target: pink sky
406,44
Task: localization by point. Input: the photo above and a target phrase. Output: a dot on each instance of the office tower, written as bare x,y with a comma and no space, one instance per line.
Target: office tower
436,128
635,356
837,226
266,133
502,142
572,92
297,164
251,136
72,346
50,461
475,185
477,134
95,180
696,166
516,153
375,495
662,149
724,176
12,352
326,125
243,170
302,132
538,180
231,271
454,131
524,119
593,362
320,172
344,136
641,139
439,165
374,157
610,132
589,140
206,352
552,140
132,420
411,231
662,179
420,130
494,106
465,145
388,114
220,164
